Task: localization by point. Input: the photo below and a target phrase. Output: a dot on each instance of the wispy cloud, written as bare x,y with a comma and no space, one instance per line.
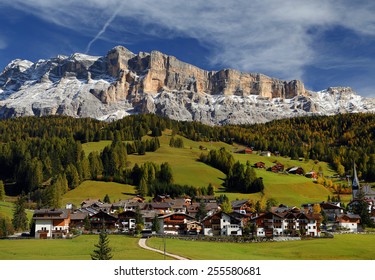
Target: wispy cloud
274,37
104,28
3,43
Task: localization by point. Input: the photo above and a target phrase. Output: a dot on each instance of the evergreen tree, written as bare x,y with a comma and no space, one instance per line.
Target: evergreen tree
58,188
20,220
2,190
165,175
210,189
155,224
139,222
361,209
72,176
142,149
103,251
202,212
96,165
6,227
106,199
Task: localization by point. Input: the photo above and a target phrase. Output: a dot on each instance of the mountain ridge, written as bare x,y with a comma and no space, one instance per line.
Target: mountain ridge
122,83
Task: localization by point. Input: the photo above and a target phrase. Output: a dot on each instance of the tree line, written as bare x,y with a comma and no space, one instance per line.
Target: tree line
43,156
239,178
339,140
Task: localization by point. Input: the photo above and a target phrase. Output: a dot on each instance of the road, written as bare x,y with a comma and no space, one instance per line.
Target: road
142,243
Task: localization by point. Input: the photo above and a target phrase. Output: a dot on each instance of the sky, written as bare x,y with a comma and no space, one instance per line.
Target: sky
322,42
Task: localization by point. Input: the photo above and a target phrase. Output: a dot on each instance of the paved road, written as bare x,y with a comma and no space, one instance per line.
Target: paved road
142,243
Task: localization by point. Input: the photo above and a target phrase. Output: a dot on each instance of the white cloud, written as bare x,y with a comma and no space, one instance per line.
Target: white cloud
270,36
3,43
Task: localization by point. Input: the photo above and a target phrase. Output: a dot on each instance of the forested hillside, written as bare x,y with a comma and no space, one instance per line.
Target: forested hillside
38,152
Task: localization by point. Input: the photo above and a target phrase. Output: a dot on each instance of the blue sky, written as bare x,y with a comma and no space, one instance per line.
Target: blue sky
323,43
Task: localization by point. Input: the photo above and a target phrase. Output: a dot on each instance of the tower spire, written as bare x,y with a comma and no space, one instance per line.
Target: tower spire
355,182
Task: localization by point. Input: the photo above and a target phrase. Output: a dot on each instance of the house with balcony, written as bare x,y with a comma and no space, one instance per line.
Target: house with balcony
348,221
288,223
221,224
51,223
175,223
103,221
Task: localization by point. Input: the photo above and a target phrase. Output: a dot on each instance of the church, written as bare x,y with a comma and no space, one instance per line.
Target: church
364,191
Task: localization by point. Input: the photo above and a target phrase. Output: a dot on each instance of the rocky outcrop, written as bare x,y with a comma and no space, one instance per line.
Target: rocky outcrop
121,83
163,72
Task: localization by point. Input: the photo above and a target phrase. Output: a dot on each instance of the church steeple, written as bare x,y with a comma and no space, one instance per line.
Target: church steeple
355,182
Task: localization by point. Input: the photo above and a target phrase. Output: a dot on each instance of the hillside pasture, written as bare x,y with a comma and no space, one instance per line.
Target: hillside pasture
187,170
97,190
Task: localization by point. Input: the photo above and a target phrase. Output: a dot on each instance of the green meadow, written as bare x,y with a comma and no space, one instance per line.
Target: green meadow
6,210
79,248
287,189
341,247
97,190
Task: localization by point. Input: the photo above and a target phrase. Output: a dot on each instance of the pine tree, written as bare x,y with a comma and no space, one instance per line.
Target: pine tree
106,199
20,221
202,212
103,251
155,224
2,190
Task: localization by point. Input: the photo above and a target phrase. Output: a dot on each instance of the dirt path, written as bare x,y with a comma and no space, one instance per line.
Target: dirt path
142,243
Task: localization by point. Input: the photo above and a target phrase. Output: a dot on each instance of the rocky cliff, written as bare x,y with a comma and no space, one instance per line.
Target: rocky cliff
122,83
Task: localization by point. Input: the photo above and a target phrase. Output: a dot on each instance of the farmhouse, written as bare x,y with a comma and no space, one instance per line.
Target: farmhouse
296,170
220,223
175,223
126,221
51,223
348,221
242,206
265,154
260,165
245,151
103,220
312,175
288,223
77,220
278,167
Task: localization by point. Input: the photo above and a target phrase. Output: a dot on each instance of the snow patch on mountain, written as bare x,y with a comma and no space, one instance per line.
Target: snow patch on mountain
114,86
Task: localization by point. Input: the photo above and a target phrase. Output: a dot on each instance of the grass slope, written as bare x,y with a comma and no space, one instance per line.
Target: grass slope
80,248
97,190
7,207
287,189
341,247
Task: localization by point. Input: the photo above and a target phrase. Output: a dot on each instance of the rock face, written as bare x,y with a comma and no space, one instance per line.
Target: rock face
122,83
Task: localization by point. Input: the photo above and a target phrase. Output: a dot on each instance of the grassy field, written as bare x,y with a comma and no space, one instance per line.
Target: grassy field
341,247
80,248
6,210
97,190
287,189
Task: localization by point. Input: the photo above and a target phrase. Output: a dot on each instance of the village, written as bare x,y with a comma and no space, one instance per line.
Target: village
165,215
203,215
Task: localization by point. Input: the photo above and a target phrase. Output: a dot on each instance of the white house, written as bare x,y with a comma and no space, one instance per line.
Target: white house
348,221
220,223
51,223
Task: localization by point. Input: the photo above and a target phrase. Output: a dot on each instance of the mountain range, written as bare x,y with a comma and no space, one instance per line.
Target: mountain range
121,83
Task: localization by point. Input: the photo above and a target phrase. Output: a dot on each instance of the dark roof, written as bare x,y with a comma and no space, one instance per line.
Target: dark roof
178,214
78,215
50,214
238,203
327,205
